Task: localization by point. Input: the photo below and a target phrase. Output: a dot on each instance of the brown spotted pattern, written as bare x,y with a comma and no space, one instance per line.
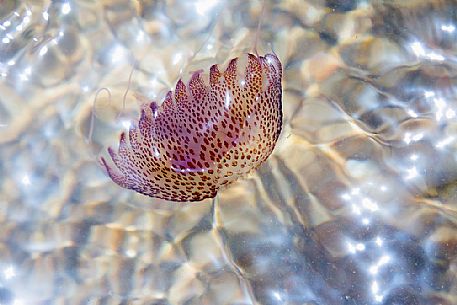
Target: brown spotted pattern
203,137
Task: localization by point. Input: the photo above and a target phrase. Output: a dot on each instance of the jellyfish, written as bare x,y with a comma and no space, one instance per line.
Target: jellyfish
204,135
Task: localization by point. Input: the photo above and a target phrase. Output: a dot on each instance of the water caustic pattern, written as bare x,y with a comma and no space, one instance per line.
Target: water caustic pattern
355,205
207,136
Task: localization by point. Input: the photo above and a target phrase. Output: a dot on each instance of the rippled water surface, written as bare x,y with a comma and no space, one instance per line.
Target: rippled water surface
357,204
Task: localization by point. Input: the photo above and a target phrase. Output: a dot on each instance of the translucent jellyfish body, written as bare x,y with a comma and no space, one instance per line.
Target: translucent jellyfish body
203,136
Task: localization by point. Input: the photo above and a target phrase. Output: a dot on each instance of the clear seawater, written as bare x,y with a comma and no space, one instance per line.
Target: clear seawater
357,204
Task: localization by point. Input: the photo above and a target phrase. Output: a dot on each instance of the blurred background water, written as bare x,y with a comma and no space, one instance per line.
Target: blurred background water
357,205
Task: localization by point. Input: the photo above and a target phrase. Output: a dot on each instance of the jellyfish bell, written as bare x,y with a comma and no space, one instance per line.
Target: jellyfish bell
205,134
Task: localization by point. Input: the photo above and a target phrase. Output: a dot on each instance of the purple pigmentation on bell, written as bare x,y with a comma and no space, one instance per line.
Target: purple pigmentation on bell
203,136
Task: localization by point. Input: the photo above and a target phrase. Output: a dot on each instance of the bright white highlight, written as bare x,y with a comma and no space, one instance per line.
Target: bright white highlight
9,272
450,28
66,8
227,100
204,6
26,180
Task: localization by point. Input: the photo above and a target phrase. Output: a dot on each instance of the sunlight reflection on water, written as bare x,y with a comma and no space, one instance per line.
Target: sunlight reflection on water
357,204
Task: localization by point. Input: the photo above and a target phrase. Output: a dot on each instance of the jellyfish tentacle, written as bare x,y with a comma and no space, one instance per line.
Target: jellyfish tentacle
93,114
259,25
